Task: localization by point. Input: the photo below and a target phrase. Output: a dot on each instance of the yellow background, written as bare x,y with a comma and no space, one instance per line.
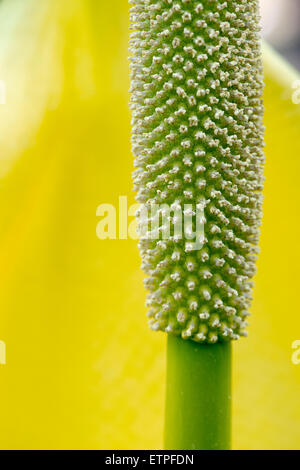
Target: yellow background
83,371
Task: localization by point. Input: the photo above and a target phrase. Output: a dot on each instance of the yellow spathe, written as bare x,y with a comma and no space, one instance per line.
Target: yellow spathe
83,371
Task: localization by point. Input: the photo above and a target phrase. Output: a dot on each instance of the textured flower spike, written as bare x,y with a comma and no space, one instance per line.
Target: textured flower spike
197,139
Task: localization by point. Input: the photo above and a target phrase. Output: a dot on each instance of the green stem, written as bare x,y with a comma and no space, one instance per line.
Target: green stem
198,395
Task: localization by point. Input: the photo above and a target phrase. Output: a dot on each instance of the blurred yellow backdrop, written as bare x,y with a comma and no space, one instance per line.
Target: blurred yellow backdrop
83,371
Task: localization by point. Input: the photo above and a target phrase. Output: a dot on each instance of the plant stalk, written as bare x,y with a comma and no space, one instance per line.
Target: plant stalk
198,395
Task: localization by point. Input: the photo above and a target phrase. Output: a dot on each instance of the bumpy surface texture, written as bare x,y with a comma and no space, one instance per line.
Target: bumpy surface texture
198,138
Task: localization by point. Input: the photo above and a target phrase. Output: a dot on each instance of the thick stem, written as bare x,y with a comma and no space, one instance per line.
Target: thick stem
198,395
